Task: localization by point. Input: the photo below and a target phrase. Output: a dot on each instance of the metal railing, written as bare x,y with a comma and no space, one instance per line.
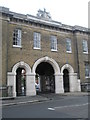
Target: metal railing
85,87
6,91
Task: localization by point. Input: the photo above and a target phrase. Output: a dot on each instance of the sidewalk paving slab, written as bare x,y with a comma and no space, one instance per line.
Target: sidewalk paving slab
23,100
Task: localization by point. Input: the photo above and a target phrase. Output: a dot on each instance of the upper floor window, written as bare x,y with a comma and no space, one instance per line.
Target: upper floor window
68,45
17,38
87,70
37,40
53,43
85,46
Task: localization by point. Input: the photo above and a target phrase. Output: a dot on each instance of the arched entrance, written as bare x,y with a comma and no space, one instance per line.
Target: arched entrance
66,80
22,70
71,82
45,76
21,82
54,72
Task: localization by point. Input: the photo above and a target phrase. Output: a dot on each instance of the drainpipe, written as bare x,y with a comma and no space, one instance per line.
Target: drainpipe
1,55
77,56
89,36
7,45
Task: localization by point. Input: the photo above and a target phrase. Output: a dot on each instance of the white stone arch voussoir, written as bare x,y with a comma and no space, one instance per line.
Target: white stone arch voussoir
48,60
11,78
58,76
68,67
21,64
74,82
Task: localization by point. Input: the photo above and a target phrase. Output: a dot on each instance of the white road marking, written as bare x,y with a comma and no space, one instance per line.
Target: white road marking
51,109
72,106
68,106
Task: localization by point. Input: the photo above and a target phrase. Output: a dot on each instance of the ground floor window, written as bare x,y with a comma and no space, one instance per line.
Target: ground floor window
87,70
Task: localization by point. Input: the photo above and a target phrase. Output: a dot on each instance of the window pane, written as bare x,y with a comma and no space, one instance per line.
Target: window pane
17,37
68,45
37,40
53,43
85,46
87,70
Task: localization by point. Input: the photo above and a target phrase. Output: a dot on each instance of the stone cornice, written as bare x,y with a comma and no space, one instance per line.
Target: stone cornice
36,19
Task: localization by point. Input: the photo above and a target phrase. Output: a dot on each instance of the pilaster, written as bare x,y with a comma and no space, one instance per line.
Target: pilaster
11,81
59,83
30,85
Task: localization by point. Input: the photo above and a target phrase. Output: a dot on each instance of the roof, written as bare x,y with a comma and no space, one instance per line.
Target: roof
46,19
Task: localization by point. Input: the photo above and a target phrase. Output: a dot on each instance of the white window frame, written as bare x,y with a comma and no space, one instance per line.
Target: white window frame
37,40
53,43
85,46
17,38
68,44
87,67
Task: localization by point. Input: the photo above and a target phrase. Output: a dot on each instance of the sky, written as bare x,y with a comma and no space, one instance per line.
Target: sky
70,12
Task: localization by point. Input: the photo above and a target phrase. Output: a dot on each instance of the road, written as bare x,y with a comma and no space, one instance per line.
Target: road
65,107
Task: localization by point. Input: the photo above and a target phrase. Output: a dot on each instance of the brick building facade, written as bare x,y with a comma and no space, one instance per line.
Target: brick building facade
36,49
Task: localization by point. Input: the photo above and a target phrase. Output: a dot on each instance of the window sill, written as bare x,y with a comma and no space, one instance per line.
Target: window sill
69,52
35,48
85,52
87,77
53,50
16,46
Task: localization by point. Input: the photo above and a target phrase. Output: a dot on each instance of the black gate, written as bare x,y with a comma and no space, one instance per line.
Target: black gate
20,82
47,84
66,81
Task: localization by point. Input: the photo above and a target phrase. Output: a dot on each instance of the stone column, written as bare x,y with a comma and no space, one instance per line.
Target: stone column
79,85
30,85
11,81
74,83
59,83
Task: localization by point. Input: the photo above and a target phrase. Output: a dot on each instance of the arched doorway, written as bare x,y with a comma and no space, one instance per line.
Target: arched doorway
45,77
57,74
66,80
20,82
29,78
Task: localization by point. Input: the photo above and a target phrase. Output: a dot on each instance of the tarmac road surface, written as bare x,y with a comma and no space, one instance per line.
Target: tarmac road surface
60,107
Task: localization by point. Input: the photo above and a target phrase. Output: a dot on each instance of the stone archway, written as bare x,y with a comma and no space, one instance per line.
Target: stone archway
74,83
30,83
21,64
49,60
68,67
57,74
46,78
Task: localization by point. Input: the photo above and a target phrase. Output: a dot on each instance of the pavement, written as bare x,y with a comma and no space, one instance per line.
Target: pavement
8,101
